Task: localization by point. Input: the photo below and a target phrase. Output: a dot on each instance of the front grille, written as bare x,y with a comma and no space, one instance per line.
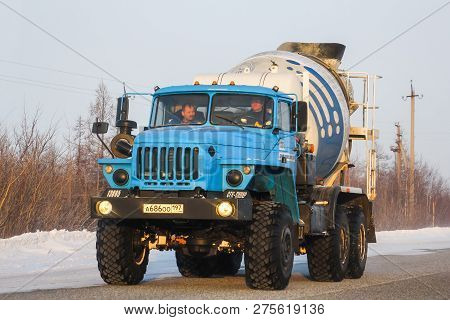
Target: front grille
167,165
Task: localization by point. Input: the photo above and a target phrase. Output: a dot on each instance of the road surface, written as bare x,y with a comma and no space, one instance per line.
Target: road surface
425,276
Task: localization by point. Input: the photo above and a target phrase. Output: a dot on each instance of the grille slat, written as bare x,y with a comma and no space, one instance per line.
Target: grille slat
178,163
139,162
187,163
147,163
155,163
162,164
170,160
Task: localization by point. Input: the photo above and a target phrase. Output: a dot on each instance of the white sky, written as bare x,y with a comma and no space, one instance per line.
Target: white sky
148,43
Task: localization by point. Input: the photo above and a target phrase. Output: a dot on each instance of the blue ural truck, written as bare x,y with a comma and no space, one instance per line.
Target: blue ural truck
251,164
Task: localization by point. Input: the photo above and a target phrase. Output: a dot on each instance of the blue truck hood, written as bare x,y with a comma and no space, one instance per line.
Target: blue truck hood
256,138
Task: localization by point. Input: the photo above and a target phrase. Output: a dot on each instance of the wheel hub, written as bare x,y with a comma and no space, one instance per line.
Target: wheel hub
362,242
286,247
139,247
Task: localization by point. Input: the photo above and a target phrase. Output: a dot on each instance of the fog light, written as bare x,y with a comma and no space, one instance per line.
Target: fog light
104,207
120,177
246,170
108,169
234,178
225,209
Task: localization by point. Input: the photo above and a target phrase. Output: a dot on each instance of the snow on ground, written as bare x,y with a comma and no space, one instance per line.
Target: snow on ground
63,259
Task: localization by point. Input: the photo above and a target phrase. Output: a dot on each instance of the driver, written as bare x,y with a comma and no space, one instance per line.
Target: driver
256,115
188,114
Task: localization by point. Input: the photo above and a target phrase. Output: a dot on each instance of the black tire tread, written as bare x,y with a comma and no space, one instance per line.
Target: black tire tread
323,252
114,254
195,267
355,267
261,243
228,264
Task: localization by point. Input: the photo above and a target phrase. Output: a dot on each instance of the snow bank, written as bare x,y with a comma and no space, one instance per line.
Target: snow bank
410,242
63,259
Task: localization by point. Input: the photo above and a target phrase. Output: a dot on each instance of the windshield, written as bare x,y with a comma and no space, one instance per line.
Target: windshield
242,110
181,109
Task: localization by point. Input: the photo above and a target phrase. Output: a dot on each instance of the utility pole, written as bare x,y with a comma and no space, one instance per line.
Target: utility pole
411,200
398,150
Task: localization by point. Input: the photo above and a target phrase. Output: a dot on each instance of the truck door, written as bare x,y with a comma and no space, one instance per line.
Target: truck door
287,156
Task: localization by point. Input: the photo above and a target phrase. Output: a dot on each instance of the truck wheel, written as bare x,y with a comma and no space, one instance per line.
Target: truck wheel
122,257
228,264
328,256
269,250
358,246
195,267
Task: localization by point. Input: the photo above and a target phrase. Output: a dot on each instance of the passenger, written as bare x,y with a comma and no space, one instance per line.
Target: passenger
256,116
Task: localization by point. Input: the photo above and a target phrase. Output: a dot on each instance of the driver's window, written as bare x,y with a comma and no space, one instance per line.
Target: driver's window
284,116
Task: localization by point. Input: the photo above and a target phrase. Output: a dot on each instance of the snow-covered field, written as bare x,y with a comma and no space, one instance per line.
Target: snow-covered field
63,259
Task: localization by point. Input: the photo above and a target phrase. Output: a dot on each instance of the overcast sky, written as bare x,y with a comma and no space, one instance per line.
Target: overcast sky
148,43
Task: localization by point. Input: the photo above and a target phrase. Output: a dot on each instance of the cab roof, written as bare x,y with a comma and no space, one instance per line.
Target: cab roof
221,88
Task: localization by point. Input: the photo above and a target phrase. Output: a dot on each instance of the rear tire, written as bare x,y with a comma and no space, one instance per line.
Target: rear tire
269,251
358,245
228,264
195,267
328,256
121,257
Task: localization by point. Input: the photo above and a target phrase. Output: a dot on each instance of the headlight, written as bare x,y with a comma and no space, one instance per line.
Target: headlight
225,209
120,177
104,207
234,178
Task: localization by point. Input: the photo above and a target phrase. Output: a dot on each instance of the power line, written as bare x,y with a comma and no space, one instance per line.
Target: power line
61,71
54,70
67,46
399,35
45,83
44,86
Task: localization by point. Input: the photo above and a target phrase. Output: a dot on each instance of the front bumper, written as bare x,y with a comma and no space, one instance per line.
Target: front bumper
193,208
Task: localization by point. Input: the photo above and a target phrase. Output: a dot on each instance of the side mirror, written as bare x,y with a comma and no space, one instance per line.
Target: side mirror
122,109
100,127
302,116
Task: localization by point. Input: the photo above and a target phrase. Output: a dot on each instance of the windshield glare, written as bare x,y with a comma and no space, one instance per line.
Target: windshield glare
227,109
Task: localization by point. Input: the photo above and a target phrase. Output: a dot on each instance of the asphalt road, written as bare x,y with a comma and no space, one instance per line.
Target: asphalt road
424,276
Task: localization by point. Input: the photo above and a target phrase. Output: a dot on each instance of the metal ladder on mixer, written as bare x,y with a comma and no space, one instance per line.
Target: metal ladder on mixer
366,106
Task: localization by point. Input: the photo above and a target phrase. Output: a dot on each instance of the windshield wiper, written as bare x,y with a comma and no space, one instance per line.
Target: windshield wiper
231,121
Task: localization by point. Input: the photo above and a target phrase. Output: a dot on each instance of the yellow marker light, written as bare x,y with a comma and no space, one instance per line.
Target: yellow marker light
246,170
104,207
225,209
109,169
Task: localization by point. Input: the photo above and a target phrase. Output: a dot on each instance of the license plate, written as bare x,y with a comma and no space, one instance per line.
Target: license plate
163,208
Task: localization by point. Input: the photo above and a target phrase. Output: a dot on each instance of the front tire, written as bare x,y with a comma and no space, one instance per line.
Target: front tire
122,257
328,256
269,251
